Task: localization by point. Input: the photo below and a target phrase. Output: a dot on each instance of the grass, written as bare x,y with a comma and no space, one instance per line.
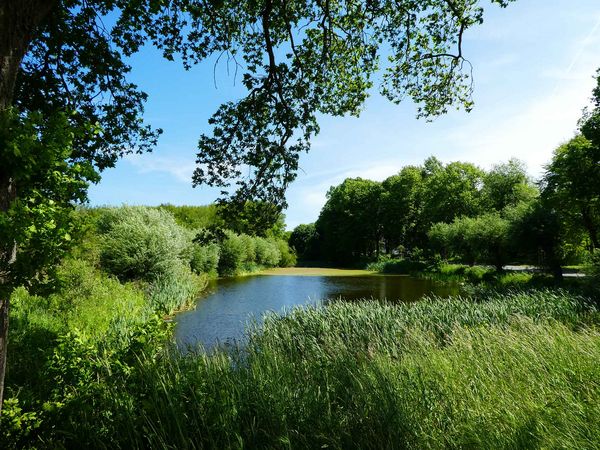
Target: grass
501,372
316,272
510,370
397,266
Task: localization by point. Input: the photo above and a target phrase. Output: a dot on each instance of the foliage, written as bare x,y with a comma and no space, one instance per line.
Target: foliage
232,255
593,265
402,209
483,239
70,60
195,217
205,258
455,207
253,218
349,221
327,68
537,231
398,266
451,190
176,289
38,151
288,256
141,242
507,185
98,307
571,186
590,122
267,252
305,241
242,253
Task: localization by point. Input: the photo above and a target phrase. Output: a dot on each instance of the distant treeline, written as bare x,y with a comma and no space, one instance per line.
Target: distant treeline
460,212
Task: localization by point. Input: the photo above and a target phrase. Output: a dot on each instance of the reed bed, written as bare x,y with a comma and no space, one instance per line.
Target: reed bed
516,370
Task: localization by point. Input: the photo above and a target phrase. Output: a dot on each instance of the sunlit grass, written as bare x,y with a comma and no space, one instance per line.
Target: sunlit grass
316,272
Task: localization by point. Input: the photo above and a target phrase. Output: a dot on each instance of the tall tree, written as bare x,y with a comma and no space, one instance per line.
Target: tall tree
590,122
349,224
401,209
453,190
571,184
507,185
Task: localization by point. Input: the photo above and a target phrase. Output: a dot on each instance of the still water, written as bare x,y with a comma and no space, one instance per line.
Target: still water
229,304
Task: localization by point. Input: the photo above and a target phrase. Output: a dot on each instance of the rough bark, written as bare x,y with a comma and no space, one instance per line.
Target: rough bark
19,20
8,253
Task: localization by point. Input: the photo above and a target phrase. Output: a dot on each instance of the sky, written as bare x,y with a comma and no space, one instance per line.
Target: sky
534,65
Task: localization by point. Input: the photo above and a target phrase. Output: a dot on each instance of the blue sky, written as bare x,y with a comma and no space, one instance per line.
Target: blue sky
533,73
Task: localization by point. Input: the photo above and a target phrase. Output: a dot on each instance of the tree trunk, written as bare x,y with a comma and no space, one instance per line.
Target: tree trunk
8,253
19,20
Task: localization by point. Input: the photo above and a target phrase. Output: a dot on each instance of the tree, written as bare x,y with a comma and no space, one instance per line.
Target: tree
451,191
537,232
481,239
299,59
507,185
349,225
304,240
254,218
66,111
571,184
401,209
590,122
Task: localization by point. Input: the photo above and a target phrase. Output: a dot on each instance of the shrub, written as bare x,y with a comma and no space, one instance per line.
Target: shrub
397,266
267,252
205,258
176,289
288,256
232,254
87,300
141,243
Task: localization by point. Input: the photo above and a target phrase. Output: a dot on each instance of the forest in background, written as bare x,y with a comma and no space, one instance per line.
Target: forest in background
458,212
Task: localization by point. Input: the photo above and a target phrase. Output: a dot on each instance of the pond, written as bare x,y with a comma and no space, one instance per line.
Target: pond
229,304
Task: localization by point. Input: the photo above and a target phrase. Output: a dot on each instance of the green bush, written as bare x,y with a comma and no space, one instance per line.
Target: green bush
141,243
205,258
267,252
397,266
176,289
232,254
288,256
87,300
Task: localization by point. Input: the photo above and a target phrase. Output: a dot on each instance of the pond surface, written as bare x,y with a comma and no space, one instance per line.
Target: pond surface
229,304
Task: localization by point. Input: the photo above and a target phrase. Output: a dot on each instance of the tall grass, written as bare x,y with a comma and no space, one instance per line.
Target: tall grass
441,374
176,290
499,371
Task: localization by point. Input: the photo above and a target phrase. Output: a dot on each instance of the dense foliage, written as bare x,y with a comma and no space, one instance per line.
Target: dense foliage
456,209
458,212
74,337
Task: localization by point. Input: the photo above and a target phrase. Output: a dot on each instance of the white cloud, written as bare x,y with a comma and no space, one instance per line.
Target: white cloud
179,167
